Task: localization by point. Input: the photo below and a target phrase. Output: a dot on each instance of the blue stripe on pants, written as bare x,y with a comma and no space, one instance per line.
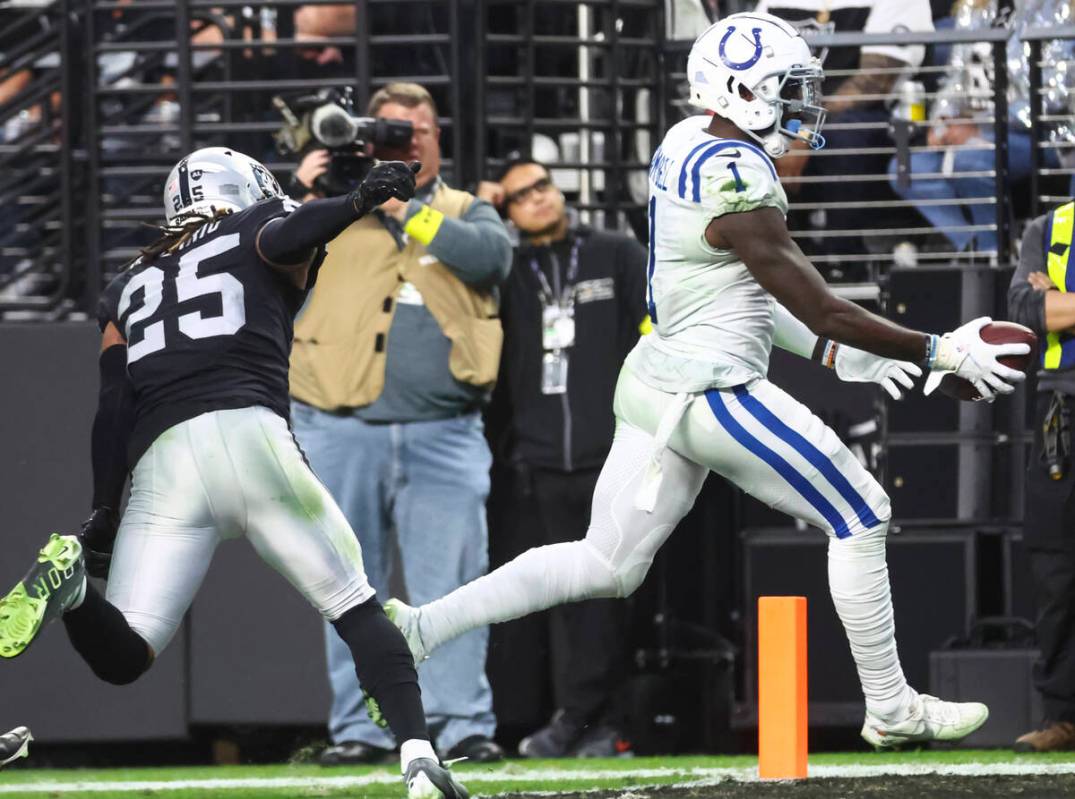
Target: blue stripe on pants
812,454
781,466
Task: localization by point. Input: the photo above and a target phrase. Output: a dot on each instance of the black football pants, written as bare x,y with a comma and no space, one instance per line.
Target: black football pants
1049,533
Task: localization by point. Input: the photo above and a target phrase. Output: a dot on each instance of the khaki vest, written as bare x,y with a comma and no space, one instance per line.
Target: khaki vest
341,336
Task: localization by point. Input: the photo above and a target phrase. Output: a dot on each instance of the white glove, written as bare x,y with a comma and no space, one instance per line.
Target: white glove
963,353
858,366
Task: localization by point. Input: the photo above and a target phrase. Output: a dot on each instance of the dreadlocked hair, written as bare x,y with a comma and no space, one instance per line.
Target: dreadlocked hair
174,235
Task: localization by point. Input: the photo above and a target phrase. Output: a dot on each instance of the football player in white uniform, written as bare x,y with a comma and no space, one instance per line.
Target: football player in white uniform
726,282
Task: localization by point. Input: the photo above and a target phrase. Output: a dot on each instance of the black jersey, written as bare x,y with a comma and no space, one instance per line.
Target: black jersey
208,327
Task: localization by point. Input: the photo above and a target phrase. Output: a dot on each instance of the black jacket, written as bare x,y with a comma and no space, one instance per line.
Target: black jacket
568,431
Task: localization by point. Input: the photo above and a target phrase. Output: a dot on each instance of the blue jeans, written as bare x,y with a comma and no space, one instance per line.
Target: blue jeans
965,188
427,482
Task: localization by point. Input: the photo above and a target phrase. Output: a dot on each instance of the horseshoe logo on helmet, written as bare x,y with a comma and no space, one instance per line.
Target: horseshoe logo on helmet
740,64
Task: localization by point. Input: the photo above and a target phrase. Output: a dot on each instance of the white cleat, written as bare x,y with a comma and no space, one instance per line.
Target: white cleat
930,719
427,779
406,619
14,744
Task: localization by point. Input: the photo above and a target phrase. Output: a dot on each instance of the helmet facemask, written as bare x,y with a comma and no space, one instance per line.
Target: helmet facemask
796,97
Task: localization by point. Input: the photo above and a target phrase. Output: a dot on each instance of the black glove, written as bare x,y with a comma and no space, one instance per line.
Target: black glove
385,181
97,535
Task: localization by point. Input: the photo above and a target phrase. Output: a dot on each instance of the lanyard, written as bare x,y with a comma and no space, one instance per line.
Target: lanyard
547,294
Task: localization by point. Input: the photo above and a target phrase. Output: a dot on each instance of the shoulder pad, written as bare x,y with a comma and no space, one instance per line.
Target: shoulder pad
108,302
261,212
734,177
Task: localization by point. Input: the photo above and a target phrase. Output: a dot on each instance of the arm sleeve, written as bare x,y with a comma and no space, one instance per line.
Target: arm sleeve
888,16
790,334
111,429
475,247
293,240
1026,305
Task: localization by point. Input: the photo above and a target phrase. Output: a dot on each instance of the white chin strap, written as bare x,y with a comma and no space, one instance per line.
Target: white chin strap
775,144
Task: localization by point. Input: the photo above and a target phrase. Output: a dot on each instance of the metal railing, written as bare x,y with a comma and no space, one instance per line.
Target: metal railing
893,219
576,83
1045,189
39,262
157,94
593,83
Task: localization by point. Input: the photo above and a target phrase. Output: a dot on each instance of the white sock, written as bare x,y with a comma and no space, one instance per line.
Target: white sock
858,582
538,579
415,749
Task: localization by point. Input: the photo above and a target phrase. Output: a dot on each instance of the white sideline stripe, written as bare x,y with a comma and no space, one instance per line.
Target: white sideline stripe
688,777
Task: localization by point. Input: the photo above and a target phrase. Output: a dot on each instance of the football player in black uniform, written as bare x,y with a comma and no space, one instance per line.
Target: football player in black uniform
196,339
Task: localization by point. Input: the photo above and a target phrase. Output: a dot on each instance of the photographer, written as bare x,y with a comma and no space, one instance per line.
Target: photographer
394,355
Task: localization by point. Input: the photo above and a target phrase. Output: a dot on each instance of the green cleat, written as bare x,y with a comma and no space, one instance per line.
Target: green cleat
55,582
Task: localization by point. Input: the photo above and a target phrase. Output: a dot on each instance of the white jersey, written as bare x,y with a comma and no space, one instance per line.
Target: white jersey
712,322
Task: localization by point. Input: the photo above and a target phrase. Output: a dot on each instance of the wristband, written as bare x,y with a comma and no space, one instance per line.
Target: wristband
424,225
828,357
945,353
931,350
825,352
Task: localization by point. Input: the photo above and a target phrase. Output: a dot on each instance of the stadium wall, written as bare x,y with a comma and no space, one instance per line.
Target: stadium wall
250,651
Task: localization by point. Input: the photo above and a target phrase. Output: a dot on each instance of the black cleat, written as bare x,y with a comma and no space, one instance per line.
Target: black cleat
14,744
354,753
428,779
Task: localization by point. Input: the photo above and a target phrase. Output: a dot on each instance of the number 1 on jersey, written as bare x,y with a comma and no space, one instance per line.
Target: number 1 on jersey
739,185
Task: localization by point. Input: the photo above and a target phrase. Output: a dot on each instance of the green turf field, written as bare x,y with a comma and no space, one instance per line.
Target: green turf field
915,774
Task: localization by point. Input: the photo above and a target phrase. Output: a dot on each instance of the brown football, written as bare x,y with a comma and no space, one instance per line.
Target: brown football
995,333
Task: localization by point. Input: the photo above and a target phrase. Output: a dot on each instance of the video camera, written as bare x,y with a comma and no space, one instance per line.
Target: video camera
326,120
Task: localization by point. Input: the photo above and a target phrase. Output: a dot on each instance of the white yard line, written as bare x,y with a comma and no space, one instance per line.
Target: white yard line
682,776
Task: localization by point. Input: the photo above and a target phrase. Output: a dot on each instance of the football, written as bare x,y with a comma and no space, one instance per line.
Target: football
995,333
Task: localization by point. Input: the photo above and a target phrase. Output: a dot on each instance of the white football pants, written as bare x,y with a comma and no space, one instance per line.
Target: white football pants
765,442
223,475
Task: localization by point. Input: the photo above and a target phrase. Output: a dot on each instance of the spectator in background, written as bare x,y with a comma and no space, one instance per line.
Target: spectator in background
572,308
394,355
315,23
857,112
1035,300
964,145
29,118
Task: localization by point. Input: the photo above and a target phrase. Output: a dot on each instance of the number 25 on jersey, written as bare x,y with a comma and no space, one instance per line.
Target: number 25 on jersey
150,334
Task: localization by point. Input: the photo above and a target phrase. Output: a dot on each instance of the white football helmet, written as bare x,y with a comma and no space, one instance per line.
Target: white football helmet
756,71
216,179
